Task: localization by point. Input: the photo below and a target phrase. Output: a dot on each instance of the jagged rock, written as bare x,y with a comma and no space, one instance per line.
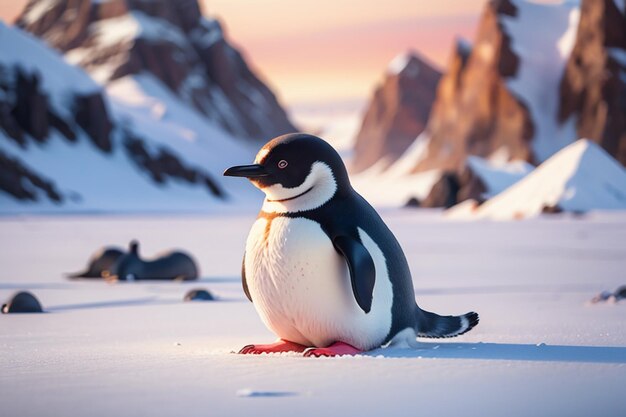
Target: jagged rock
31,105
444,192
455,187
170,40
593,88
413,202
474,112
397,113
23,183
472,187
89,110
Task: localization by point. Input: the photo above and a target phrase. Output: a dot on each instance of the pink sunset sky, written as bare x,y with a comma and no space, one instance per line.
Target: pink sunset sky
323,51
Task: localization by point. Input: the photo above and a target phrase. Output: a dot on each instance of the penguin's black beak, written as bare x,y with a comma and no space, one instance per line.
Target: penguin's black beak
248,171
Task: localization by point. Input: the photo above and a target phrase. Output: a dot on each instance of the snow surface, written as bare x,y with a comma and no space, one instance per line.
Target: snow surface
383,189
137,349
543,35
579,178
498,176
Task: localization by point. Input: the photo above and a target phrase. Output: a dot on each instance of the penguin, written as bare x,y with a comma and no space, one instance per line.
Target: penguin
324,272
176,266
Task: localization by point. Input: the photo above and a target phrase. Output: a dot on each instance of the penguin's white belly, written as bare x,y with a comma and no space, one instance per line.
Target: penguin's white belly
301,288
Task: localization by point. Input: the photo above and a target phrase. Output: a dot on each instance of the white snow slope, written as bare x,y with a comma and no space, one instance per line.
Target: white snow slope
136,349
498,176
579,178
112,182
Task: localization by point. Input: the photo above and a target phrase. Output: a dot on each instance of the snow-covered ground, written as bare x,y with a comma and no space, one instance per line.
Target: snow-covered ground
138,349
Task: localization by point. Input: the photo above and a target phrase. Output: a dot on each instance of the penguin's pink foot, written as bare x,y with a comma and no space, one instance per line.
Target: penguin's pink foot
336,349
277,347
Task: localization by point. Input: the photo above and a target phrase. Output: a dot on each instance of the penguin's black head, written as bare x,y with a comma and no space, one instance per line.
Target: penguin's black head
298,168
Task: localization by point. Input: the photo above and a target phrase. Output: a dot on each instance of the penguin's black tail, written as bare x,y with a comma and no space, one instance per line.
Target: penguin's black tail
436,326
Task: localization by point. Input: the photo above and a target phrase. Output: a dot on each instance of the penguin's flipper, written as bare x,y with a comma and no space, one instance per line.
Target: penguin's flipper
244,284
362,270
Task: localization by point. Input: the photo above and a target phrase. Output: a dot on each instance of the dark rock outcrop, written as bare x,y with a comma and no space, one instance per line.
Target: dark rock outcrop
163,165
23,183
170,40
455,187
593,88
22,302
397,113
89,110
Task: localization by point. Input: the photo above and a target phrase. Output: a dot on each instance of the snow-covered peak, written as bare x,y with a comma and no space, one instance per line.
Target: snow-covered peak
134,25
579,178
404,63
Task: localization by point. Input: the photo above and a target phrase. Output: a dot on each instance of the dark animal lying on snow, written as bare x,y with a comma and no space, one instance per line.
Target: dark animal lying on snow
100,263
171,266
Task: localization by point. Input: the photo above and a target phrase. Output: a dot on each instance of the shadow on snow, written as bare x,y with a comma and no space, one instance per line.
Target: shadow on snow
506,351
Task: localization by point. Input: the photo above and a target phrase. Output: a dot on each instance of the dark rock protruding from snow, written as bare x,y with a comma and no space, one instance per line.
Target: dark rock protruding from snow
199,294
89,110
397,113
22,302
593,88
170,40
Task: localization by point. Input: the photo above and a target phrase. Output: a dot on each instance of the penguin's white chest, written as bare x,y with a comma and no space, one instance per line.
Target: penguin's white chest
301,288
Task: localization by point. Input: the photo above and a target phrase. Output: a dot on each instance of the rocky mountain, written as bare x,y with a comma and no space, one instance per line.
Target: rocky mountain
593,87
397,112
579,178
537,77
173,42
67,144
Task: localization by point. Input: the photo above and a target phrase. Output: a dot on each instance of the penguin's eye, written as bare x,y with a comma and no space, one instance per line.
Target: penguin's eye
282,164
